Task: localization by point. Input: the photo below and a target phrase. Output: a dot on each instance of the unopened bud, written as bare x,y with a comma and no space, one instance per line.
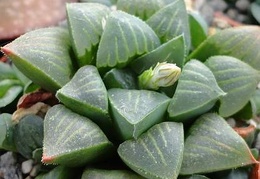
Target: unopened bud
163,75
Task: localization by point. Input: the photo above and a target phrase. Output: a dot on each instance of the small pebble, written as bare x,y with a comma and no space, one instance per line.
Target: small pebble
27,166
218,5
8,166
242,5
231,122
35,170
232,13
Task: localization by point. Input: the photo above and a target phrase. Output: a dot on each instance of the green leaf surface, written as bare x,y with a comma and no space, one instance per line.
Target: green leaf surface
43,56
193,177
172,51
196,92
71,139
59,172
10,95
109,174
28,135
240,42
198,29
86,94
104,2
157,153
171,21
255,10
6,132
237,79
6,71
212,145
124,37
142,9
85,25
135,111
120,78
6,84
255,102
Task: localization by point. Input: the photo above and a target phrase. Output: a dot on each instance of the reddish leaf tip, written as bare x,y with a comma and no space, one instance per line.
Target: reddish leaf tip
6,50
47,159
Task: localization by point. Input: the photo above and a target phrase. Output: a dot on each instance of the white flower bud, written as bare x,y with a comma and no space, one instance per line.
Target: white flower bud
163,75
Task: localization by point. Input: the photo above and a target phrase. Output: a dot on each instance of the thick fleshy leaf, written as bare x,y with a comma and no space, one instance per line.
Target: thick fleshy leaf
240,42
86,94
198,29
109,174
104,2
28,135
212,145
255,10
71,139
193,177
171,21
143,9
59,172
125,37
6,84
120,78
43,56
85,25
6,132
237,79
157,153
135,111
10,95
197,90
255,102
172,51
6,71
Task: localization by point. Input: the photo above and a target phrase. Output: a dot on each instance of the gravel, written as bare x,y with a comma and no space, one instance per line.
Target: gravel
9,168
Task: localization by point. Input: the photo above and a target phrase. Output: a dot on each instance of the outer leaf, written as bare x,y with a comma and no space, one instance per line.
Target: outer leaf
172,51
59,172
124,37
6,84
105,2
85,25
43,56
28,135
237,79
198,29
143,9
157,153
10,95
255,102
135,111
71,139
6,132
171,21
109,174
212,145
6,72
255,10
240,42
86,94
197,90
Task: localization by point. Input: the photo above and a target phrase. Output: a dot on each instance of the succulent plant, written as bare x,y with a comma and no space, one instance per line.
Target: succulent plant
140,94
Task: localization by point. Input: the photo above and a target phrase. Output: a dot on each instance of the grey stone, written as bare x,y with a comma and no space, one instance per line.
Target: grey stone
242,5
218,5
27,166
9,168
